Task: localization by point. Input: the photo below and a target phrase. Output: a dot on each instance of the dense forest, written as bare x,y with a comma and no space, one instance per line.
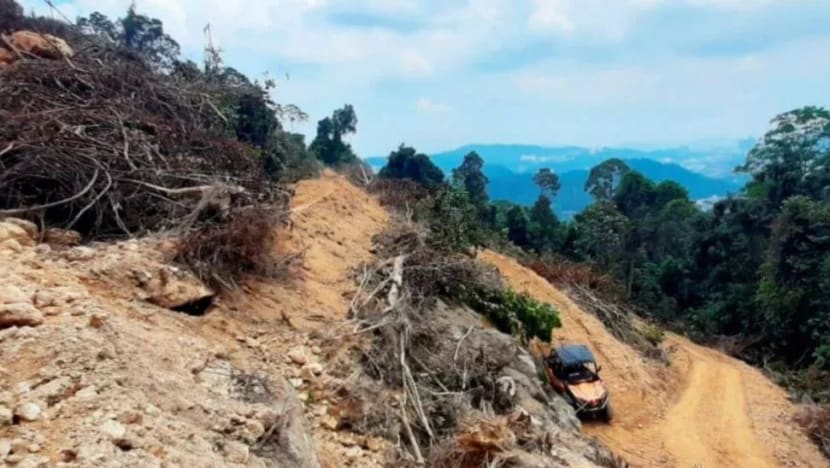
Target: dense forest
755,267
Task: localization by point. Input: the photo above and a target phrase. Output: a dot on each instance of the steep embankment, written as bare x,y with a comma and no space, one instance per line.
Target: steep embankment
94,373
705,408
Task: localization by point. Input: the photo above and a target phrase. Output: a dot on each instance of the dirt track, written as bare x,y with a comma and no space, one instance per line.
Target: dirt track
705,409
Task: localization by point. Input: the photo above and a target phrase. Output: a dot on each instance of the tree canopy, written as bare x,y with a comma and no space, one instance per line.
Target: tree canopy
406,163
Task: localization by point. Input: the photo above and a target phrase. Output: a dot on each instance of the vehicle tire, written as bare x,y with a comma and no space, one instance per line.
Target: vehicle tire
608,414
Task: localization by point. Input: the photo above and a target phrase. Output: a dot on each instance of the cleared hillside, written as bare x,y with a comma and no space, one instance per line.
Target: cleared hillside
704,408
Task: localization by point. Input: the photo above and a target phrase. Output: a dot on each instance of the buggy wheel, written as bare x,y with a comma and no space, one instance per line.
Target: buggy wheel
608,413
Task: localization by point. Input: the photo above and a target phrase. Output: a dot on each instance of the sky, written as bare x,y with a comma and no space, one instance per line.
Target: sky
437,74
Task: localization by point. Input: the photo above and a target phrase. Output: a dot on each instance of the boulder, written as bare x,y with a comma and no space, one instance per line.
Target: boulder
10,231
28,411
28,226
19,314
236,452
173,288
11,294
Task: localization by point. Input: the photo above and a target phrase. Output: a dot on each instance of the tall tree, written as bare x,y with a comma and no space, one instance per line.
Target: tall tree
793,158
470,175
604,178
548,182
517,226
137,32
328,145
794,294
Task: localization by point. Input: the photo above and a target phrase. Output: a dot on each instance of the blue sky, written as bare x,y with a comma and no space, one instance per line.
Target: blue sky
437,74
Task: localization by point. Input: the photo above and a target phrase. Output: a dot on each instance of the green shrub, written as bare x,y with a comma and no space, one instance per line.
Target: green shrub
653,333
514,313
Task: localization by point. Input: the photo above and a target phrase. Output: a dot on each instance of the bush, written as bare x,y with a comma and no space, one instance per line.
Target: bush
653,333
515,313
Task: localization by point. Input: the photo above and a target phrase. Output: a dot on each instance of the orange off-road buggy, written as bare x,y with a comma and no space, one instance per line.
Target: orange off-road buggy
573,372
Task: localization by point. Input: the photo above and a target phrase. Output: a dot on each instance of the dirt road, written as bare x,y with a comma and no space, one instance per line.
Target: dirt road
704,409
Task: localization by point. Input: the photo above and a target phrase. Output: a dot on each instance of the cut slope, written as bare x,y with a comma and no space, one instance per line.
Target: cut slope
706,408
122,382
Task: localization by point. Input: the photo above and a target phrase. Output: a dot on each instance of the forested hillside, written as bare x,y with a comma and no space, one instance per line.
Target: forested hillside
755,268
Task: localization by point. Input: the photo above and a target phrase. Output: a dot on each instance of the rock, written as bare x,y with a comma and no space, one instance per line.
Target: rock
296,383
28,226
330,422
19,315
97,320
253,430
6,416
374,444
10,231
81,254
173,288
43,249
54,390
28,412
61,237
298,355
312,370
114,429
353,453
5,448
10,294
33,462
86,393
10,246
236,452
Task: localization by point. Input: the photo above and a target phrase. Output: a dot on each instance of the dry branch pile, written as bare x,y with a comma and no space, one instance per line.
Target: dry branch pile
104,144
460,388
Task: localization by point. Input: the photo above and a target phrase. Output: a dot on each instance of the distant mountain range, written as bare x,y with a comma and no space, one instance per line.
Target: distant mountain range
705,171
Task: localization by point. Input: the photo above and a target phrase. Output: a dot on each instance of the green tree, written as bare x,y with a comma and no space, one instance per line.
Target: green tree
471,176
517,226
793,157
139,33
328,145
453,220
548,182
793,294
602,233
406,163
604,178
544,226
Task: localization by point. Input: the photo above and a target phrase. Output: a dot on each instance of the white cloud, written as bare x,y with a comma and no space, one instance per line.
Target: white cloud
428,106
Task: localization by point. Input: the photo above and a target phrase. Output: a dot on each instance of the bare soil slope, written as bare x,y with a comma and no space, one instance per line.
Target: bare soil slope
705,408
100,376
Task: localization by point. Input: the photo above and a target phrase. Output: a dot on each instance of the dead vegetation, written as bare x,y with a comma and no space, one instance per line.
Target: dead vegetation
591,291
815,420
441,382
103,144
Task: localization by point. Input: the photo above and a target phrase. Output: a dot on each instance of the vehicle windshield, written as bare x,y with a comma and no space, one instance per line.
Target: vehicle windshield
581,372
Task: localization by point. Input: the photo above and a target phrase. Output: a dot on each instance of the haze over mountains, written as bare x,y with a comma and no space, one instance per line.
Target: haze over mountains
706,170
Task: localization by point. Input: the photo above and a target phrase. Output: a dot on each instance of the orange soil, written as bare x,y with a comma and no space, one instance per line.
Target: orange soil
705,409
